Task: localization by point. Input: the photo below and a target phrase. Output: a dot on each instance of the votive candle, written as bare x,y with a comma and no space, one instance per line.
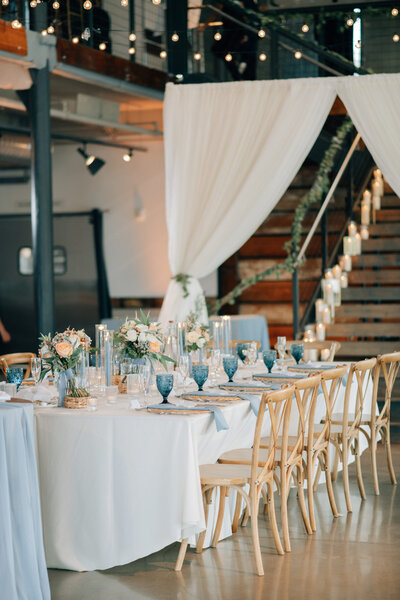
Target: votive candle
347,245
344,280
320,331
364,232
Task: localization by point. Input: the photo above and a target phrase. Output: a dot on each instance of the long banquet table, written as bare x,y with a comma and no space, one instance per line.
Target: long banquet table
118,484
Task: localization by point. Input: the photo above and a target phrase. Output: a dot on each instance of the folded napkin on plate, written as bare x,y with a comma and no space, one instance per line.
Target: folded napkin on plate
42,392
4,397
220,421
254,399
280,375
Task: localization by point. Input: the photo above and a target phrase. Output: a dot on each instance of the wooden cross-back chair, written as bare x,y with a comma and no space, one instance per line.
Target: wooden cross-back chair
330,345
18,358
288,457
345,425
257,473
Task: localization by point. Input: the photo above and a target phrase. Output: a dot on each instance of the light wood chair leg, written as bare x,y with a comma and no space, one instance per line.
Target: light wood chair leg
238,510
220,518
284,513
245,518
317,477
207,498
302,501
389,455
325,458
181,555
374,469
265,499
272,518
310,493
335,465
359,470
345,458
254,534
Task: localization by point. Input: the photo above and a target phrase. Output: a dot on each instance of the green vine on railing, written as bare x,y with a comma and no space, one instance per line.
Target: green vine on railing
319,188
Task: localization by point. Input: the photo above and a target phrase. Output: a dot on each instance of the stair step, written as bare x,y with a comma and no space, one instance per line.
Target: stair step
388,214
390,201
363,276
277,291
281,223
274,312
366,349
354,294
271,246
384,229
249,267
381,244
376,260
367,311
357,330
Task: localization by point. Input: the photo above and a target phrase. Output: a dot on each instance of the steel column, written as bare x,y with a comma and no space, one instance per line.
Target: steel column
42,199
176,22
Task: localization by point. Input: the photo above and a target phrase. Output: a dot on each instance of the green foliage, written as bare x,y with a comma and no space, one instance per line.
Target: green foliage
183,280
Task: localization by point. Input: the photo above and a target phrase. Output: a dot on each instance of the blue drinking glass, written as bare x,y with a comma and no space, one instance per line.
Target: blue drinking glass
297,351
15,375
269,357
241,349
165,383
230,364
200,375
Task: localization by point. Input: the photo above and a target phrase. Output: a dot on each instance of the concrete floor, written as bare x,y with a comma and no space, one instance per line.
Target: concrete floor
353,557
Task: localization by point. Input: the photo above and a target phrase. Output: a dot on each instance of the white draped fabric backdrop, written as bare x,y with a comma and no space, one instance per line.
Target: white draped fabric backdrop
232,150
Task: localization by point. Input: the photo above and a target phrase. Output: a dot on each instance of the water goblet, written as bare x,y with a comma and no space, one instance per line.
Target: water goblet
200,374
297,351
15,375
184,368
281,347
269,357
241,350
230,364
36,367
165,383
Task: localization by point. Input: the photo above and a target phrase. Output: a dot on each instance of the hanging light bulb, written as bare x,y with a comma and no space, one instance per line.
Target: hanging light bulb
33,4
358,44
163,54
298,54
217,36
16,24
396,38
132,37
350,22
127,156
263,56
124,2
5,2
44,32
228,57
102,46
56,5
87,5
131,50
175,37
305,28
197,56
50,29
261,33
395,12
156,2
75,40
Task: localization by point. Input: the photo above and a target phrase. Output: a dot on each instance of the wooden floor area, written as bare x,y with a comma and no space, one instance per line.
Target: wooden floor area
354,557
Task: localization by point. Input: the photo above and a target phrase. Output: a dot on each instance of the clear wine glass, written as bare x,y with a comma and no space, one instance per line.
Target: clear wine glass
183,368
36,368
252,353
215,365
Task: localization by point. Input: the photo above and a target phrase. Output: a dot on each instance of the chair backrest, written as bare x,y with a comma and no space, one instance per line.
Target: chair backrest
335,377
330,345
388,365
306,392
18,358
363,374
278,406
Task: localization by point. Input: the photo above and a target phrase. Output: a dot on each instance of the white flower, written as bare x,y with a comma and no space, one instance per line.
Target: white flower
81,334
152,338
201,342
142,327
131,335
153,326
142,336
192,337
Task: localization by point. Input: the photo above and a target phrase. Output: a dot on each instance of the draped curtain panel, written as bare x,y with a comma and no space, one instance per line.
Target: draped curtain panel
373,103
231,151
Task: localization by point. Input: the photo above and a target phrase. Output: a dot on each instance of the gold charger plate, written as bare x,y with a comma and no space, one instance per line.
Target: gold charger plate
246,390
211,398
179,411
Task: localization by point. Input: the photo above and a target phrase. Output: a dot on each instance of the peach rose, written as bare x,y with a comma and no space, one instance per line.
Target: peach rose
154,347
64,349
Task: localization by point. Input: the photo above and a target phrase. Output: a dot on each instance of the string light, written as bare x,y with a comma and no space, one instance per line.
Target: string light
163,54
44,32
261,33
358,44
102,46
131,50
175,37
75,40
197,56
124,3
5,2
50,29
395,12
15,24
132,37
263,56
56,5
87,5
350,22
298,54
396,38
127,156
228,57
305,28
217,36
33,4
156,2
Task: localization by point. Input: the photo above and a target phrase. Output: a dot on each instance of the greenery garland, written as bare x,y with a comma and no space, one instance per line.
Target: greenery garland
319,188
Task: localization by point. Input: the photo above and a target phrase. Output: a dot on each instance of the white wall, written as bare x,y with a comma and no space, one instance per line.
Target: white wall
136,252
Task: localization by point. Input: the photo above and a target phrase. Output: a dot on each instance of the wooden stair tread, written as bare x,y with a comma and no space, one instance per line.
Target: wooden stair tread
363,276
381,244
384,229
251,266
274,291
366,349
354,293
367,311
357,330
388,214
376,260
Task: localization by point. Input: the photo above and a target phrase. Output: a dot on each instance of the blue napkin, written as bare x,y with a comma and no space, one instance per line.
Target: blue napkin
280,375
220,421
254,401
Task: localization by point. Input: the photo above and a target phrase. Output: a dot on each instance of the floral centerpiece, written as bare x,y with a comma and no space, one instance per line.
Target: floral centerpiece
60,354
139,338
197,336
